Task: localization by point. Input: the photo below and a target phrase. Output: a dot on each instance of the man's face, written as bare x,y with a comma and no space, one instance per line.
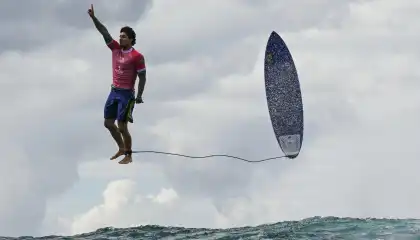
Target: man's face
124,40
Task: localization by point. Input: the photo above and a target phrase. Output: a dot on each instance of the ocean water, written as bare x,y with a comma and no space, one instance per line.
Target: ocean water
311,228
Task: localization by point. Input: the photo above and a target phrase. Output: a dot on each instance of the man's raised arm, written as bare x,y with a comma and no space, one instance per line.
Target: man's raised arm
101,28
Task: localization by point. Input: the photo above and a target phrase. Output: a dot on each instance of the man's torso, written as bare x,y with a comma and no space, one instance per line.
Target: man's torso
125,65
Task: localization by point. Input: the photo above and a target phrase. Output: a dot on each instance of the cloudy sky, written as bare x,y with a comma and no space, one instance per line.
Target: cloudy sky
358,63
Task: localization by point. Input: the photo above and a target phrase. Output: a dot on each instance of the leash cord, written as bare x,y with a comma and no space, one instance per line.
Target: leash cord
210,156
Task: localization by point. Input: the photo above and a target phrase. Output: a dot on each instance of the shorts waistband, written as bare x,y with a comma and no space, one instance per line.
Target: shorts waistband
113,88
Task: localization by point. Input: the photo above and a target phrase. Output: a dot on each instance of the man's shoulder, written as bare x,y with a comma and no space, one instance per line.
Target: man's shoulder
137,53
113,45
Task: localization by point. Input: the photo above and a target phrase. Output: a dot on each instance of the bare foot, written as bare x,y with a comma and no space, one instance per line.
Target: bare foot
119,153
126,160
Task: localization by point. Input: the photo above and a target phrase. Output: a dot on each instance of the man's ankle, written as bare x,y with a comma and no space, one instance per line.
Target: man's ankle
128,152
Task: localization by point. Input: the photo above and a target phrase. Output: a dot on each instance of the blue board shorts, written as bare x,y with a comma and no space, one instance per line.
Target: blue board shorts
120,105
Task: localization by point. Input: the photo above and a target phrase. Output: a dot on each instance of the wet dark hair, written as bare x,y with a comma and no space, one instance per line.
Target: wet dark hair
130,33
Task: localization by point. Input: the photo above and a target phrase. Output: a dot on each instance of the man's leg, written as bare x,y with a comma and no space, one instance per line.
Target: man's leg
110,115
123,127
124,117
115,133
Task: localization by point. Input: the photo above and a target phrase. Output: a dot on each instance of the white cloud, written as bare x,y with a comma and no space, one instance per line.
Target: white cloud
122,203
165,196
117,196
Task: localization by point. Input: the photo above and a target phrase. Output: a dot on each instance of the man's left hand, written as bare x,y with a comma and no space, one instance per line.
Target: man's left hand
139,99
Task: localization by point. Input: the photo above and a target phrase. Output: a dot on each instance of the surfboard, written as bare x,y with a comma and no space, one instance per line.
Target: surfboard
284,98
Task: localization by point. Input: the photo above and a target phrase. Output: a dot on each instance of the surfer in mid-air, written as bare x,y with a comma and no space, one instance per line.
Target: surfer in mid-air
127,64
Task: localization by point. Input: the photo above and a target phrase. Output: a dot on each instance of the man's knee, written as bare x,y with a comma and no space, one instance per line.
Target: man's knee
122,127
109,123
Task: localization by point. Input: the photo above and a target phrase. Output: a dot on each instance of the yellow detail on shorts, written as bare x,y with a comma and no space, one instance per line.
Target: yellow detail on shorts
129,110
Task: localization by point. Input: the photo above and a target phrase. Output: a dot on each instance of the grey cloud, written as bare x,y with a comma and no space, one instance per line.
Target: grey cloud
39,169
226,29
221,46
70,13
74,13
205,73
30,24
